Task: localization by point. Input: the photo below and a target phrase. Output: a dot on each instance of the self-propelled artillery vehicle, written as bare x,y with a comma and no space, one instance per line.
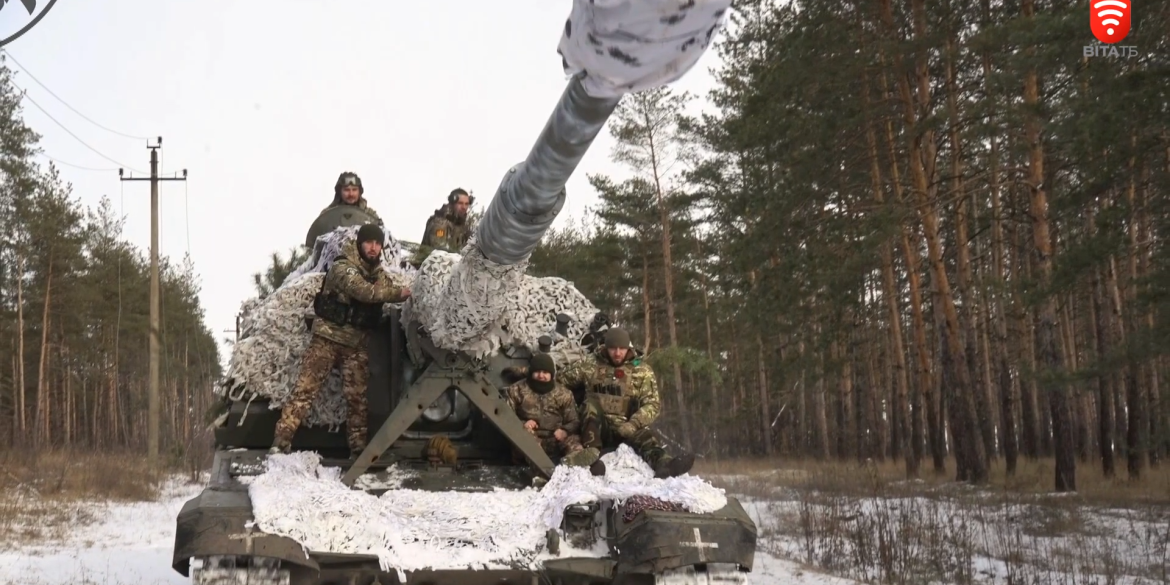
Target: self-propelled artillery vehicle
417,391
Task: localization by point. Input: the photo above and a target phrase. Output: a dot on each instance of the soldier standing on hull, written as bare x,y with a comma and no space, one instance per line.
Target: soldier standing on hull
448,229
621,402
349,191
347,307
549,412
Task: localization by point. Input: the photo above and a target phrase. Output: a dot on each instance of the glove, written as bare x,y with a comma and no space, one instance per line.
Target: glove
514,373
626,430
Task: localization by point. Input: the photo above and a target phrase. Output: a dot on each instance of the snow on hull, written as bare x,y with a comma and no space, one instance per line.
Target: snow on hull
414,530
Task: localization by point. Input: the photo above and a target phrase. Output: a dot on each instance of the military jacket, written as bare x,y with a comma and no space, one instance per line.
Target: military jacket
443,234
627,393
361,204
354,280
552,410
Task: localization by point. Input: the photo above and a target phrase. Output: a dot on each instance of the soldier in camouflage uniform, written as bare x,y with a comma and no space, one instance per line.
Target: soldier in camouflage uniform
621,402
349,191
347,307
549,412
448,229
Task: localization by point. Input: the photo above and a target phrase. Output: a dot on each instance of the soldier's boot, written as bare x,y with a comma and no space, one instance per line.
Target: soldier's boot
583,458
668,466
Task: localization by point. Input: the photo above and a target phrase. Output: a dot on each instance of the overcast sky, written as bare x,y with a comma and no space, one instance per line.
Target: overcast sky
266,102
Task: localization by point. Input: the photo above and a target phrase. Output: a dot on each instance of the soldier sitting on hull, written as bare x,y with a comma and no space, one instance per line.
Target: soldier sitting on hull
621,402
347,307
349,191
448,229
550,413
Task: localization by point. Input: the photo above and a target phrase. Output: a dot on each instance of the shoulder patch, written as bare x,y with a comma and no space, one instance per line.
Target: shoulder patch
440,233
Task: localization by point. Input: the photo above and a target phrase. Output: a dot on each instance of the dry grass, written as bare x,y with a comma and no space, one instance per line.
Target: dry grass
44,495
889,477
868,522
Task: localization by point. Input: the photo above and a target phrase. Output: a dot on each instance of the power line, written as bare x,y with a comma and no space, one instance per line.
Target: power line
24,94
69,164
86,118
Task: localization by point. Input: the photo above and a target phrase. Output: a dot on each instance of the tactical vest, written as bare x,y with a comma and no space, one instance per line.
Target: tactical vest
353,313
612,392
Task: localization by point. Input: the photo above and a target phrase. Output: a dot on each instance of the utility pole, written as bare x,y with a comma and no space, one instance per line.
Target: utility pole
152,414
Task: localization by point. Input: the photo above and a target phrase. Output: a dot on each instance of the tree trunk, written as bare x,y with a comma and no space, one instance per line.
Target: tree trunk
1102,329
1058,396
20,381
889,293
970,453
646,302
922,398
42,431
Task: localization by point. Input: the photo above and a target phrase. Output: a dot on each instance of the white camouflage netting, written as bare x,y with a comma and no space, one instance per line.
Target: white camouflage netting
267,358
465,304
470,303
412,529
626,45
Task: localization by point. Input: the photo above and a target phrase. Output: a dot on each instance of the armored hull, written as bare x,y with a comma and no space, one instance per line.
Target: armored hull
213,544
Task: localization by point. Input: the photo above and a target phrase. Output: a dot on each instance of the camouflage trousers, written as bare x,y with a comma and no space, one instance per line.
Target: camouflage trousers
319,359
552,447
598,431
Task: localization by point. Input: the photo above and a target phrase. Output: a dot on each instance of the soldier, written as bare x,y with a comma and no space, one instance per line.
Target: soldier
621,402
550,413
347,192
348,305
448,229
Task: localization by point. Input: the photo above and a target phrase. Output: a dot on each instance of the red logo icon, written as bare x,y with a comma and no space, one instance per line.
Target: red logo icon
1109,19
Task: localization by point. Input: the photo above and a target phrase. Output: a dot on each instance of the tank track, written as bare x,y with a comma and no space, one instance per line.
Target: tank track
714,574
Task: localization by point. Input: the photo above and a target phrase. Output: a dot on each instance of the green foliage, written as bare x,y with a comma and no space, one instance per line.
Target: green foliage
276,273
74,313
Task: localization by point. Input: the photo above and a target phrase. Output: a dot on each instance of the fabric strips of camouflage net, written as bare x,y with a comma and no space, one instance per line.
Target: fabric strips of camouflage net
470,303
465,304
627,45
266,359
417,529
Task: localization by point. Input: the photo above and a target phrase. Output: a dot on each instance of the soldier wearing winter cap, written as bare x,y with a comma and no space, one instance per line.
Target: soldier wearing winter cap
621,402
347,307
549,412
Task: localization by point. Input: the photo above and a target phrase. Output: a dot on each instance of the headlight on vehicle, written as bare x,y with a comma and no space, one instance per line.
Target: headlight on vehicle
440,409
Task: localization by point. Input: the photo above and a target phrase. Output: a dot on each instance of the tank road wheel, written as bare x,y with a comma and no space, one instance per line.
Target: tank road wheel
714,574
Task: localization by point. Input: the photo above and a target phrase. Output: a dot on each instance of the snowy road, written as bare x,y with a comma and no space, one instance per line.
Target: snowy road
131,544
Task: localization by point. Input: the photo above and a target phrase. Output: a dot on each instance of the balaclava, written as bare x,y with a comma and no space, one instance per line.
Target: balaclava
541,362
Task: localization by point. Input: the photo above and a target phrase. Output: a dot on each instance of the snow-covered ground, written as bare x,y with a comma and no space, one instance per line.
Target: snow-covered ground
131,544
962,536
126,543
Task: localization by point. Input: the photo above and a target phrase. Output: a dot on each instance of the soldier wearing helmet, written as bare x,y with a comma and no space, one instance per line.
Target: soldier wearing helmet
621,402
449,228
349,194
349,191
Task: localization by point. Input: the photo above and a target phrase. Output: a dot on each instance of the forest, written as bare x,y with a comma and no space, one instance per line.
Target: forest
931,233
74,319
925,232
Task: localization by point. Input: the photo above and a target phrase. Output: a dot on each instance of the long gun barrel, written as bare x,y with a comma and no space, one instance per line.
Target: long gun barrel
533,192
